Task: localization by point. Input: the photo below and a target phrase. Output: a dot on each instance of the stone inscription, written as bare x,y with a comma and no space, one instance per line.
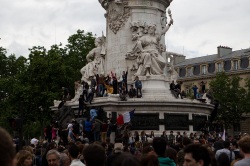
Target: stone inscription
176,121
145,121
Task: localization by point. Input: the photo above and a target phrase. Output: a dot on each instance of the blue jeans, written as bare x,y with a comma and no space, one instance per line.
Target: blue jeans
97,136
100,90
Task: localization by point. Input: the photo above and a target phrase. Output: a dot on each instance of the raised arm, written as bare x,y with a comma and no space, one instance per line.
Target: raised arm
167,27
169,24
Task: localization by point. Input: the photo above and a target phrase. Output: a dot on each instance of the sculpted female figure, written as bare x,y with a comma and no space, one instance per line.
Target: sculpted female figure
95,60
148,51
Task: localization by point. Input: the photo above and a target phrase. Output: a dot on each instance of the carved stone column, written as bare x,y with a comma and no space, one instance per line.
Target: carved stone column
119,16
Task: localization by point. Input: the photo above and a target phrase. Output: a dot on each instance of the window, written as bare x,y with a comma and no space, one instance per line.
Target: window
219,67
236,127
236,65
189,71
203,69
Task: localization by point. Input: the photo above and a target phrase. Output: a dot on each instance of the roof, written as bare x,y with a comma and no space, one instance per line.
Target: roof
211,58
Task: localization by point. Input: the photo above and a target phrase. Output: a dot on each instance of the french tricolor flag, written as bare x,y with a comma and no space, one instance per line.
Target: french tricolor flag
125,118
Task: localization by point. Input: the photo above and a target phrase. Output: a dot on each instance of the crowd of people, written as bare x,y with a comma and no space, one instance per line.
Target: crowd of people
200,95
166,149
101,86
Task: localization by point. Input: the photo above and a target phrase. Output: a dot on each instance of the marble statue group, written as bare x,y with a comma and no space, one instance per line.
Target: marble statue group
145,57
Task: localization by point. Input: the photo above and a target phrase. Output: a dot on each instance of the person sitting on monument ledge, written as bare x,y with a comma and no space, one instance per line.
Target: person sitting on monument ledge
178,89
85,90
132,91
122,92
183,94
172,88
65,92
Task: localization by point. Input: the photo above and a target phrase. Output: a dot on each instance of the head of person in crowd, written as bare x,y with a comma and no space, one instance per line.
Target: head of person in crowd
28,148
64,159
24,158
171,153
159,145
196,155
244,145
94,155
147,149
53,157
73,151
150,159
223,160
226,144
7,150
118,147
126,159
186,141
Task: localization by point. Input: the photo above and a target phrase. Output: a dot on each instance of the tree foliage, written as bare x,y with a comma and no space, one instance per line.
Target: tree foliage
233,99
28,86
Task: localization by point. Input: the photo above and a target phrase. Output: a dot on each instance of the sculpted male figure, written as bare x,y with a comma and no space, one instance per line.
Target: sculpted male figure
95,60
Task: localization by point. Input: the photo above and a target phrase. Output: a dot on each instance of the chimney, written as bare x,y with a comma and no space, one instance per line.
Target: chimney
179,59
223,50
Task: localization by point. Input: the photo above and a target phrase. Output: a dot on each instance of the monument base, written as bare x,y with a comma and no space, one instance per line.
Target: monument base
156,87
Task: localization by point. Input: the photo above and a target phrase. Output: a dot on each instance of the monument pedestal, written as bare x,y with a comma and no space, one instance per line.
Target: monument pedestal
135,42
156,87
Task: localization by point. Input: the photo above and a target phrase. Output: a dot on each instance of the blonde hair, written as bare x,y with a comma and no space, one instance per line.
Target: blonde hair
21,156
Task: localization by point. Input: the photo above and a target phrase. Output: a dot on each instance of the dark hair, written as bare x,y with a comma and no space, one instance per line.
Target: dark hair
186,141
149,160
125,159
7,149
159,145
226,144
223,160
94,155
171,153
198,153
73,151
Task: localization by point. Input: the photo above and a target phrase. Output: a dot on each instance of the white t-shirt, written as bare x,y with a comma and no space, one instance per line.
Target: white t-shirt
70,126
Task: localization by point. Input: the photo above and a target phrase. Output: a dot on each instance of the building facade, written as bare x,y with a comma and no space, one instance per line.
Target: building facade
200,71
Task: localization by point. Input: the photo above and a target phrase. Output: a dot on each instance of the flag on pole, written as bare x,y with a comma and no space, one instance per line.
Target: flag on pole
224,135
125,118
119,120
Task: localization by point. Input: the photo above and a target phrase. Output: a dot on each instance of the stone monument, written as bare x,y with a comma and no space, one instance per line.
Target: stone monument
135,40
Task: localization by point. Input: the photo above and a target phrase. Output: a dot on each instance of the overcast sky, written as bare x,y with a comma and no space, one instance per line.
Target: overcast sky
199,25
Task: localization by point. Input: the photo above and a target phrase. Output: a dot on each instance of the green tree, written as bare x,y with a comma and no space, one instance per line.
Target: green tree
78,47
29,86
231,97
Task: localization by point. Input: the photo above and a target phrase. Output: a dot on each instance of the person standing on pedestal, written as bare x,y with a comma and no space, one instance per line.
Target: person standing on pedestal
124,79
81,105
138,86
195,89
